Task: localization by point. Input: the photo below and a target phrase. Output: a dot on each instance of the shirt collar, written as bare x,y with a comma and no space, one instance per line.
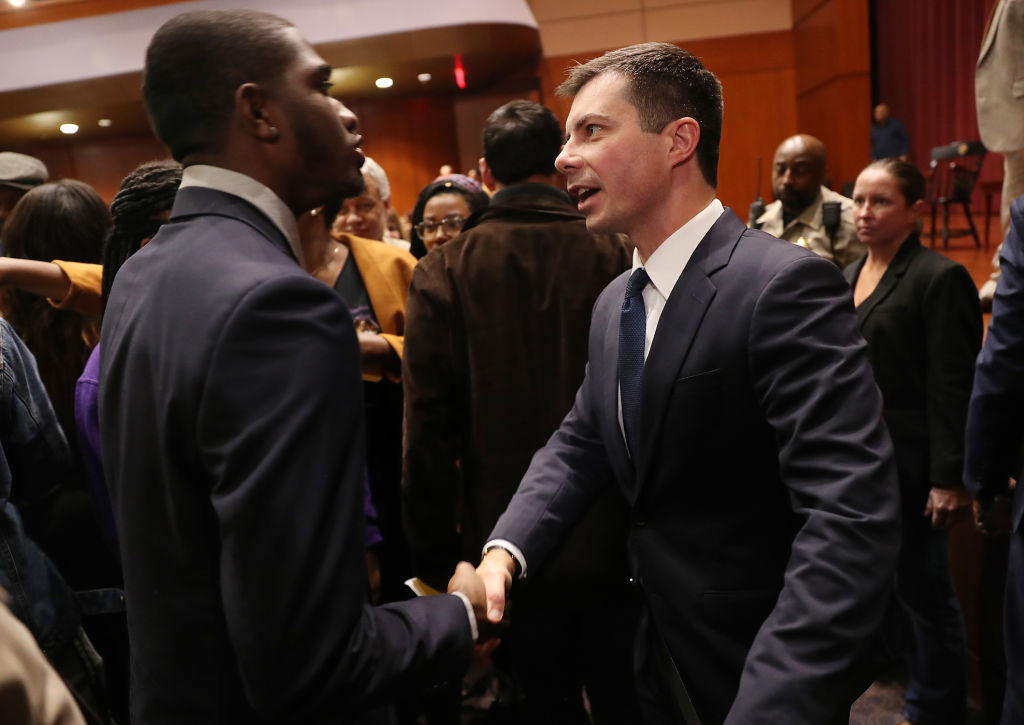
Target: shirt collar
670,258
246,187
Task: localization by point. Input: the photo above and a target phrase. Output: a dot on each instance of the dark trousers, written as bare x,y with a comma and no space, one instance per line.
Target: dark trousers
556,654
936,690
1013,617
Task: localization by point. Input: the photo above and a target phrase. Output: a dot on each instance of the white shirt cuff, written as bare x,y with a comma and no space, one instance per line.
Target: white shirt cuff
471,614
511,549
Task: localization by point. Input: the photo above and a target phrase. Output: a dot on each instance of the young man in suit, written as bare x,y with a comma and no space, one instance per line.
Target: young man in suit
729,396
231,409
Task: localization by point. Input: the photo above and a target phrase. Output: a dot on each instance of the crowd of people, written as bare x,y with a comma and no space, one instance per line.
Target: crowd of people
656,464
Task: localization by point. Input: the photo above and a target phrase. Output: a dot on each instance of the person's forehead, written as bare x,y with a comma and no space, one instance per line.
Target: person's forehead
371,191
305,57
446,200
874,178
604,94
795,153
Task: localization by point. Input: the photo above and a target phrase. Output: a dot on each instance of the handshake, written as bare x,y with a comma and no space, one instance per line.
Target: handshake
487,588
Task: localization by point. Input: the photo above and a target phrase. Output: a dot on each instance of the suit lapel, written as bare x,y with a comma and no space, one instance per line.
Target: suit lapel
677,329
890,279
198,200
608,385
990,29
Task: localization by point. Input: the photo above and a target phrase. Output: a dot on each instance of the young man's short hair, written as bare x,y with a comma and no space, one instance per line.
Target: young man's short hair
521,139
664,82
194,64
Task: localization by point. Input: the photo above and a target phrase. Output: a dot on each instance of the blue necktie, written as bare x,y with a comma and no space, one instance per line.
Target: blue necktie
632,331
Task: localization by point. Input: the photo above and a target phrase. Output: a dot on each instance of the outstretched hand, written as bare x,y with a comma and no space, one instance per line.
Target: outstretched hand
466,581
947,506
496,571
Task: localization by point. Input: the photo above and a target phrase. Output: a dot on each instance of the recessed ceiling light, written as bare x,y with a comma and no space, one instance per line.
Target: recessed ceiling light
384,82
104,123
16,3
69,128
424,77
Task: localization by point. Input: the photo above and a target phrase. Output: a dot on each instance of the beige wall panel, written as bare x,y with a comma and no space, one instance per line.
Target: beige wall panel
580,35
545,10
686,21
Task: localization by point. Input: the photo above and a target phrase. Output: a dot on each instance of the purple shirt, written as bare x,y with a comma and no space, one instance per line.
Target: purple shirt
87,421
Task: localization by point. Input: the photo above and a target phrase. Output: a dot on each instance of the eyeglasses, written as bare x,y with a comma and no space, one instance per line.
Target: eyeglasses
452,223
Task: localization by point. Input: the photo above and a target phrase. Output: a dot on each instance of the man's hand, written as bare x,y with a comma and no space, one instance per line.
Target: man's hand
994,517
496,570
376,351
947,506
466,581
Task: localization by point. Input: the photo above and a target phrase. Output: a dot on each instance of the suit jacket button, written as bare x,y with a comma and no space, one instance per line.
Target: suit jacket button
634,581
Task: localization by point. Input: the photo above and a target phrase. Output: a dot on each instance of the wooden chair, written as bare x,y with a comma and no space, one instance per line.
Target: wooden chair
954,173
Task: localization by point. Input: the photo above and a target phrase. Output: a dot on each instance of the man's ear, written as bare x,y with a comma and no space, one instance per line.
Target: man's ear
485,173
252,107
683,134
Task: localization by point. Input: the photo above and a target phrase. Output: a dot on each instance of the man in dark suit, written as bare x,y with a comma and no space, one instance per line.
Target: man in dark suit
993,446
232,415
749,444
496,345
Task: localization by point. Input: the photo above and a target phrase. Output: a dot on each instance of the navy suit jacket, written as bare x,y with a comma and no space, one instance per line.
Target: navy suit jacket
764,498
231,413
923,327
993,448
994,424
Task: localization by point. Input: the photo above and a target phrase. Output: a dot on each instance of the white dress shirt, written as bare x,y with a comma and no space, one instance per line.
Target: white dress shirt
664,268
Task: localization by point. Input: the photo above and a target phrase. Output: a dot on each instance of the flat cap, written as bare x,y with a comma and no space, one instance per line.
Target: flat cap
21,171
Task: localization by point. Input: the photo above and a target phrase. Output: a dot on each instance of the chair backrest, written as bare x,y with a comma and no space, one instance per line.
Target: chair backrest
954,171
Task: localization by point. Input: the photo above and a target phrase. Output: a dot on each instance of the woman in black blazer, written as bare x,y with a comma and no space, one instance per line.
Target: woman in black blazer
919,313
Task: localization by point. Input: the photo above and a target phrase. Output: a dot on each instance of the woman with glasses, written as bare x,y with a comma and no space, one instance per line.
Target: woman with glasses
442,208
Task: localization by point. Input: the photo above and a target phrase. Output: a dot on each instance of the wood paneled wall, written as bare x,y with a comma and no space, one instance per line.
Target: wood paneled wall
833,81
411,138
773,87
759,87
101,163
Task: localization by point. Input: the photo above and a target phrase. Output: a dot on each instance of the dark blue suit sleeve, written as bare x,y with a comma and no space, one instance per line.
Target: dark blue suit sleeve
564,479
994,423
811,373
280,429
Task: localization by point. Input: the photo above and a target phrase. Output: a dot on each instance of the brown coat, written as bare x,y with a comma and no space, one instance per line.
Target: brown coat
496,346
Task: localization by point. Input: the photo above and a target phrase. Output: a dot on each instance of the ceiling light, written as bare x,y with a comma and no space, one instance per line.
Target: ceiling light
424,77
69,128
16,3
104,123
384,82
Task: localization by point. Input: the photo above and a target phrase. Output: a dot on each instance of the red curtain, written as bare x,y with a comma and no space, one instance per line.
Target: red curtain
925,53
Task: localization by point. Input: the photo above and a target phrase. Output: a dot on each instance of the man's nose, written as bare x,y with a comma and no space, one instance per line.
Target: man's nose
348,117
566,159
